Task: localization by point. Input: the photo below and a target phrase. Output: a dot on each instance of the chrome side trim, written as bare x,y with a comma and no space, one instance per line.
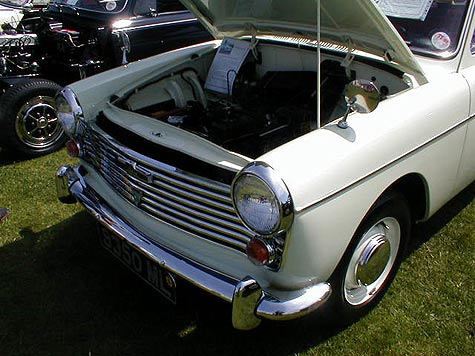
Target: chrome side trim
147,26
250,302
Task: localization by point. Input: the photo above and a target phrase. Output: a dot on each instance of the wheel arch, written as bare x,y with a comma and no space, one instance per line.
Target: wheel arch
415,190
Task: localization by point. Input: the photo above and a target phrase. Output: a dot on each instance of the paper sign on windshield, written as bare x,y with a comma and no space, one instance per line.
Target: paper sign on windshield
408,9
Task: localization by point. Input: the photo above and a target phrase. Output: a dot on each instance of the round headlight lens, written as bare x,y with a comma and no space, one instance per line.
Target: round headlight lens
256,204
68,110
262,199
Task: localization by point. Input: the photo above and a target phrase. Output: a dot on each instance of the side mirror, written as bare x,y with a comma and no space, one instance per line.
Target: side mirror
361,96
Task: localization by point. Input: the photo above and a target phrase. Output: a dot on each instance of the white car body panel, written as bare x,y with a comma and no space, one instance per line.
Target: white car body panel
379,139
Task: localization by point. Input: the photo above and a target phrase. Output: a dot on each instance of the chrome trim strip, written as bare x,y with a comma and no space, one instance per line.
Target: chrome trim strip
177,199
155,165
146,26
198,226
347,187
276,185
69,120
180,196
190,213
179,224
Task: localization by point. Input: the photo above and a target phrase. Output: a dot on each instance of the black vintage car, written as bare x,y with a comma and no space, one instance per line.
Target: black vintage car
68,40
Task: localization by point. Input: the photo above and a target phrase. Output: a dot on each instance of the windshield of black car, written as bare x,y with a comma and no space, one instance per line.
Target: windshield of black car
14,3
23,3
429,27
104,6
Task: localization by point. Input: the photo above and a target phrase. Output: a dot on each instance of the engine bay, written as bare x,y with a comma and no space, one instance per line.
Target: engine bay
265,108
259,116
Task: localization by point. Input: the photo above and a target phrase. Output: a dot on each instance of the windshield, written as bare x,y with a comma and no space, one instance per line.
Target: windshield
105,6
22,3
429,27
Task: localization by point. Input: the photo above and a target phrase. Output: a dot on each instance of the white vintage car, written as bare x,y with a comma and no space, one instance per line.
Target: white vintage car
281,166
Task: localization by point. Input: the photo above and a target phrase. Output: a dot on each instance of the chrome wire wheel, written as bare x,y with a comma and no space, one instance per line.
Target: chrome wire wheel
37,124
28,118
372,261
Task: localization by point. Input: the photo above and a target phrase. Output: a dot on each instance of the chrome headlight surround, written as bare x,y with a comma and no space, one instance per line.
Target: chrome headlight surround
262,200
69,111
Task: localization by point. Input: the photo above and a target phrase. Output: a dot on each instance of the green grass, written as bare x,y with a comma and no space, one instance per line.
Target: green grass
61,294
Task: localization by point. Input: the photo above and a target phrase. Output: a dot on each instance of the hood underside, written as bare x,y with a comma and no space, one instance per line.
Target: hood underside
355,24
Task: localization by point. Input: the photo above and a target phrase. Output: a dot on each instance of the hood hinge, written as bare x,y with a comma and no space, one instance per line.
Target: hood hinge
349,57
387,56
254,41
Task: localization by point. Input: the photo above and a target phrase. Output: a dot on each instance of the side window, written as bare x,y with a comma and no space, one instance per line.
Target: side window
472,44
145,7
170,5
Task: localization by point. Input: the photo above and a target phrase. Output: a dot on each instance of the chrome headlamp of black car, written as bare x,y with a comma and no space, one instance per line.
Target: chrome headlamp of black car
69,111
262,200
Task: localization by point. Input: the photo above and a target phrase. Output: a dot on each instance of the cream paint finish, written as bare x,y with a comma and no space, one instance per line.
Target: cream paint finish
334,189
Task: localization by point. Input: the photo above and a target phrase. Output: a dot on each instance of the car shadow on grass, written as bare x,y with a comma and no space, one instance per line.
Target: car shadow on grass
9,157
62,294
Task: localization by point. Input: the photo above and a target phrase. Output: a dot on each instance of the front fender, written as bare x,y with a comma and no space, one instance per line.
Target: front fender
336,175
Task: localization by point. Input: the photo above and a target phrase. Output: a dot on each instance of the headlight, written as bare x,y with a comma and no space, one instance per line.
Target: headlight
262,199
68,109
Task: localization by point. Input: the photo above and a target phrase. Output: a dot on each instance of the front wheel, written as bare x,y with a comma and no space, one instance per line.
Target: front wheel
28,120
372,259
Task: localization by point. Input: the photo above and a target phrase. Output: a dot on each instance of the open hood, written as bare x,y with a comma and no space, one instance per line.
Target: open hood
355,24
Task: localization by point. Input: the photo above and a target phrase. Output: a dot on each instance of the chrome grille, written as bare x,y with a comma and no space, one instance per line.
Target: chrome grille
192,203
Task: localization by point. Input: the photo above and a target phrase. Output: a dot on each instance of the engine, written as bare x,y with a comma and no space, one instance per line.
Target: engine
17,54
47,47
69,47
261,114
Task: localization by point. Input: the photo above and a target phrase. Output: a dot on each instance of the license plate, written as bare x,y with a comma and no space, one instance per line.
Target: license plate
160,279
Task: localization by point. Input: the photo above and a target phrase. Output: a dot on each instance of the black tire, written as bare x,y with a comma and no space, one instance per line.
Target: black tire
371,261
28,121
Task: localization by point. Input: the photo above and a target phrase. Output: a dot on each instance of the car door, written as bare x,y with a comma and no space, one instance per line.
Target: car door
158,26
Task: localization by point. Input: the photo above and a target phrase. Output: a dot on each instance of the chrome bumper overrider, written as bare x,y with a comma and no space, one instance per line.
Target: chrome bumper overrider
250,303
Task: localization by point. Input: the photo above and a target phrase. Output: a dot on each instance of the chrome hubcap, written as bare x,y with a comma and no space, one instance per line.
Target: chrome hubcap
37,124
371,262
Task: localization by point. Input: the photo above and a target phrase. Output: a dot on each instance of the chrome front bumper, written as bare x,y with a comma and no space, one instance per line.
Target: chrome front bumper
250,303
